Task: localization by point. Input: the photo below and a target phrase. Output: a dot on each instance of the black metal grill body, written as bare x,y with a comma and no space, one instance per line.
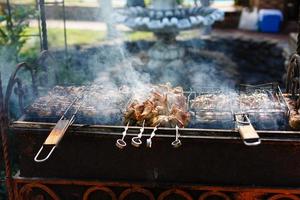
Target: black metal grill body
207,156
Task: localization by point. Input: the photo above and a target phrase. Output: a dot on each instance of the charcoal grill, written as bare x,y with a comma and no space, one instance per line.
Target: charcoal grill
207,156
215,157
210,156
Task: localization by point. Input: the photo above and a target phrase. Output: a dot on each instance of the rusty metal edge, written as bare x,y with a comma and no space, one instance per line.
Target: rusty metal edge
53,181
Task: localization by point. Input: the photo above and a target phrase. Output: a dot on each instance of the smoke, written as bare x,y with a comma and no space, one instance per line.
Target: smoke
7,65
117,70
124,77
120,76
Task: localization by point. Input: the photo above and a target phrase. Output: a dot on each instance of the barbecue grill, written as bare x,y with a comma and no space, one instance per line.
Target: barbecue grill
207,152
214,143
236,152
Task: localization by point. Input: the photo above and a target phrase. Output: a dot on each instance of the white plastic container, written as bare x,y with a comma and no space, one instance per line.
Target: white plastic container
249,20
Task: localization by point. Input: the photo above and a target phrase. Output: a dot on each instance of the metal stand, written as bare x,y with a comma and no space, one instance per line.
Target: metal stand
5,145
14,82
19,187
124,190
293,72
51,188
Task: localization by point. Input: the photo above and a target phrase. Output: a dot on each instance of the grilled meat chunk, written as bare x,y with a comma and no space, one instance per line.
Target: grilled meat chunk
165,106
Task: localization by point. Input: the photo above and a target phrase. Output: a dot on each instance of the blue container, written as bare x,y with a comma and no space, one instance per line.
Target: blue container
270,20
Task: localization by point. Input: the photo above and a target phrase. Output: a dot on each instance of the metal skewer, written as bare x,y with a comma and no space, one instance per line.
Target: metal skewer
149,140
121,142
176,143
136,141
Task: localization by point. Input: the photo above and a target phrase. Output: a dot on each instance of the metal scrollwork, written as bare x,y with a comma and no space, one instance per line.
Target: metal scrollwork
143,191
293,75
5,145
249,195
93,189
27,189
207,195
14,84
14,80
284,196
39,188
293,72
178,192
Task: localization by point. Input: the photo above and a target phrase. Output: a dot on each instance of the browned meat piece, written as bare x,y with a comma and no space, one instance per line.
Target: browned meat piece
182,117
257,101
148,108
161,120
211,102
166,107
95,103
294,118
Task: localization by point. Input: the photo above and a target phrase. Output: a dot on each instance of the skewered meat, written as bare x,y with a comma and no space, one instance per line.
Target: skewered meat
211,102
294,118
212,107
97,102
165,106
258,100
220,107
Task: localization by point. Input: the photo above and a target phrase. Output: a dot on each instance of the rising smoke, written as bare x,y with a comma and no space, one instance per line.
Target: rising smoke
117,68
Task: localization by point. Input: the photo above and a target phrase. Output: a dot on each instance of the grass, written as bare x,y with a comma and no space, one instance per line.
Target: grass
74,37
88,3
134,36
90,37
79,37
47,1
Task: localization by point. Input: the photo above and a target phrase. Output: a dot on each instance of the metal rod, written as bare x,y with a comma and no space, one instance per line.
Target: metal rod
298,42
5,145
9,21
30,35
65,31
43,25
39,25
1,96
53,3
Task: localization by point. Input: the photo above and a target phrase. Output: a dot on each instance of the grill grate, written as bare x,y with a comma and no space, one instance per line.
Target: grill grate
209,107
216,108
97,107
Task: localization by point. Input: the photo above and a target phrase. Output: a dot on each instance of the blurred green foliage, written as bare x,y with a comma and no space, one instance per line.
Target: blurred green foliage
79,37
242,2
12,28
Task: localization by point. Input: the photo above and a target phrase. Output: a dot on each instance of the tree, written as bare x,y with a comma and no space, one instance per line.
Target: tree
14,26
